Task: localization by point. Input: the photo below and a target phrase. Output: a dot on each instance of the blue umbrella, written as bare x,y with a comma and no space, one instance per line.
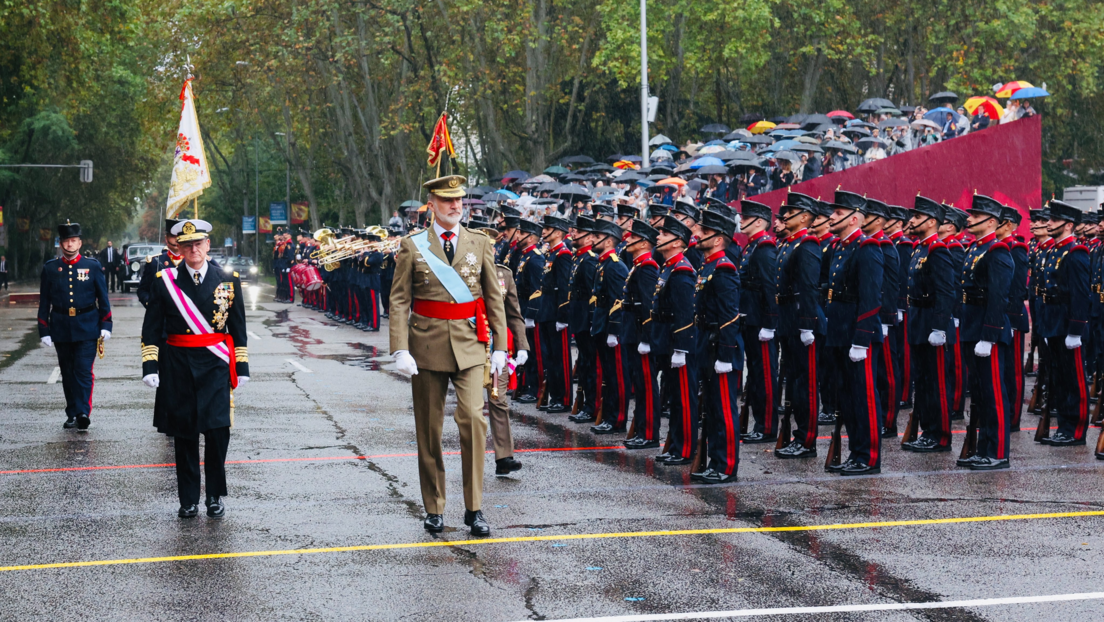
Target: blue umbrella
715,141
1029,92
784,144
939,115
508,194
669,147
706,161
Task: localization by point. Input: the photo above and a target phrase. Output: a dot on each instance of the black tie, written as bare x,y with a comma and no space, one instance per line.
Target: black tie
449,250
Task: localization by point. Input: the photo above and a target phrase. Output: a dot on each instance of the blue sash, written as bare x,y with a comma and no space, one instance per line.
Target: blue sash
444,272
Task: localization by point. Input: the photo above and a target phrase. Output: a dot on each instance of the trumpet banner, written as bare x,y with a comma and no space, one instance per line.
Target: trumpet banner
190,175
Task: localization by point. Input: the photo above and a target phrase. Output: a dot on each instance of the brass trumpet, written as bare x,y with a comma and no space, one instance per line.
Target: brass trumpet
332,251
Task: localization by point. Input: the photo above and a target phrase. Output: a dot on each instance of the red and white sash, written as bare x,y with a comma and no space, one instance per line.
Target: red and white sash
192,315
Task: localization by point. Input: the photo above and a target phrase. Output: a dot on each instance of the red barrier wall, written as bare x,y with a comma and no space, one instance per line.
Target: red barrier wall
1004,162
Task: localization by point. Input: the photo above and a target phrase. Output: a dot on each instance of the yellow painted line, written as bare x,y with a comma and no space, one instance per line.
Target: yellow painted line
579,536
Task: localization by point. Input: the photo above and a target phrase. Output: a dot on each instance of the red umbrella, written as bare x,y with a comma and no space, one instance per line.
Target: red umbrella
841,113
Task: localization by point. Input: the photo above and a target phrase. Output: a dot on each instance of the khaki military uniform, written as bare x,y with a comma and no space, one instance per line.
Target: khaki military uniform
499,407
447,351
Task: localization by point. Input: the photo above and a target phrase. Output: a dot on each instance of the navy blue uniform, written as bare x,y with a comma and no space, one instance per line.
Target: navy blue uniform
886,359
798,281
1065,311
582,282
905,246
529,275
152,266
673,329
931,291
717,303
758,266
958,370
606,318
640,288
829,377
1017,318
72,310
855,298
986,279
556,345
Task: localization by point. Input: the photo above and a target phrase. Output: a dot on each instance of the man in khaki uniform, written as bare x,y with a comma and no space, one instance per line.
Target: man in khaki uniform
447,289
499,407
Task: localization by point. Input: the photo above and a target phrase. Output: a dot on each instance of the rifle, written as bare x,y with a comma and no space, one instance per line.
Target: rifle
745,412
835,447
1029,366
632,429
969,445
784,428
1100,445
1094,391
1097,415
542,394
578,404
700,460
912,429
1043,430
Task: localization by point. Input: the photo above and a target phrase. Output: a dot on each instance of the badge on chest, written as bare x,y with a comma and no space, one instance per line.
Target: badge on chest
82,274
224,297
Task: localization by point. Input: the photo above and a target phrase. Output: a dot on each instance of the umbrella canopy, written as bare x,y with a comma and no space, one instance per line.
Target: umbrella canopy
870,141
761,127
577,159
659,139
716,128
548,186
808,148
473,202
708,149
614,157
797,119
499,196
939,115
869,106
856,131
660,154
787,126
890,110
784,144
600,167
814,120
573,177
669,147
556,170
623,164
839,146
1030,92
411,203
988,105
807,139
859,123
673,181
757,140
471,192
943,97
906,109
1010,88
737,134
728,154
840,114
516,176
629,176
788,155
751,117
898,122
922,123
635,159
713,169
706,161
572,193
539,179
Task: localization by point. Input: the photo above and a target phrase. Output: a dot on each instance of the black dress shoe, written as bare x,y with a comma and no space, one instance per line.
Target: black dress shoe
1061,439
957,416
990,464
795,450
479,525
525,399
674,461
969,462
543,408
924,445
697,477
215,508
506,466
188,511
713,476
385,315
858,468
640,443
583,417
836,468
826,419
607,428
70,423
889,432
83,422
434,523
663,457
757,437
557,408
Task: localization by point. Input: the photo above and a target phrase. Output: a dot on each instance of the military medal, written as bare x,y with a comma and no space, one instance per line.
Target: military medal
470,259
82,274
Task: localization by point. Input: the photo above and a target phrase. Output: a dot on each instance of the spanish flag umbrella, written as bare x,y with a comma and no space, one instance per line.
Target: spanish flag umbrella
988,105
761,127
1011,87
674,181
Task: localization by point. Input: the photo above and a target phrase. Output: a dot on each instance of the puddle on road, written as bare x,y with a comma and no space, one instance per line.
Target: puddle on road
302,340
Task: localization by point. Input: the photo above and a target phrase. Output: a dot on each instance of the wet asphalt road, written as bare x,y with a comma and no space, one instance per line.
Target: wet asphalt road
325,460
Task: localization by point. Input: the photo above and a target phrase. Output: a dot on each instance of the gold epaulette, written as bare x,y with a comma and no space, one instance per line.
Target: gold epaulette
158,275
593,299
536,294
149,353
679,330
614,257
235,275
616,307
241,354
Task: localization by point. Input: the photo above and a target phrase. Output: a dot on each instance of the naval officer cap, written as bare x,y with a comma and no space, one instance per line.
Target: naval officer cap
191,230
1060,210
448,187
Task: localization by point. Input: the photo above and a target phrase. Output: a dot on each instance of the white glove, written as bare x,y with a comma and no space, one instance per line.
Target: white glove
498,361
242,380
46,341
900,315
153,380
644,348
1073,342
983,348
405,363
678,359
807,337
885,330
722,368
530,324
937,338
521,357
955,321
766,334
611,341
560,326
105,335
857,353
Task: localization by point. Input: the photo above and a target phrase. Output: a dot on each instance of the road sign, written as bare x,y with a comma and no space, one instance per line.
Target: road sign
249,224
86,171
277,213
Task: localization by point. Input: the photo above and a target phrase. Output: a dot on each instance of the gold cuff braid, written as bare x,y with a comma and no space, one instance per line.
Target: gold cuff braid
149,353
241,354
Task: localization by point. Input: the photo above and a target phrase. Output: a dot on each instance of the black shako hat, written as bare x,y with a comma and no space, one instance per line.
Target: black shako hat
607,227
754,209
507,210
555,222
989,206
955,216
584,224
1060,210
602,210
927,207
875,207
675,227
69,230
642,229
687,208
169,224
478,224
625,210
849,200
796,200
719,223
529,227
658,210
896,212
511,222
1039,214
1011,214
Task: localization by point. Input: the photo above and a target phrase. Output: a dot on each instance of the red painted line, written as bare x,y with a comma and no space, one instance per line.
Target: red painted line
306,459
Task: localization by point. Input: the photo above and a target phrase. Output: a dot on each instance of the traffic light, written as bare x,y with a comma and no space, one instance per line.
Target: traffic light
86,171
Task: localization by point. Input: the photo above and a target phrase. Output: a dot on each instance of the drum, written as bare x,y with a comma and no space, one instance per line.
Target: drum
312,278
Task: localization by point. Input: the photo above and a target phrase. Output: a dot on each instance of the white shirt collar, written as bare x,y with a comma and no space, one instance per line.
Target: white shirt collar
438,229
202,272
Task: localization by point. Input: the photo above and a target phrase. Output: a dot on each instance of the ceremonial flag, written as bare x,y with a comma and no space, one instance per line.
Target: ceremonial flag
265,225
300,213
190,175
441,141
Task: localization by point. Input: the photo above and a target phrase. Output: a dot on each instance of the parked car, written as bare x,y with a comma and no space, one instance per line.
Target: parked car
136,256
244,266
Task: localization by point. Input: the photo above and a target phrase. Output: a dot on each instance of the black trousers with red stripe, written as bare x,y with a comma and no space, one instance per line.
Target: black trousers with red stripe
721,419
933,399
800,370
762,383
904,360
616,377
1071,395
990,398
588,375
75,360
1013,376
646,389
556,349
960,373
533,369
889,375
861,409
682,383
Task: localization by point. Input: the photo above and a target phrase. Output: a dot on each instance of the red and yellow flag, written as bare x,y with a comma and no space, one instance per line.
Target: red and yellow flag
441,141
300,213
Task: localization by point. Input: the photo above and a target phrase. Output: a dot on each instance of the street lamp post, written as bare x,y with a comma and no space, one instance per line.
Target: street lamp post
644,82
287,175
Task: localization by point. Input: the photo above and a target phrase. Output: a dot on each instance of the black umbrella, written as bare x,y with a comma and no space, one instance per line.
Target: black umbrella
823,127
657,176
662,168
757,139
573,177
797,118
808,148
601,167
712,169
726,155
548,186
815,120
572,193
477,192
944,97
777,120
628,176
495,197
742,166
856,131
858,123
517,176
870,141
871,105
839,146
577,159
750,117
716,128
735,135
614,158
893,123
